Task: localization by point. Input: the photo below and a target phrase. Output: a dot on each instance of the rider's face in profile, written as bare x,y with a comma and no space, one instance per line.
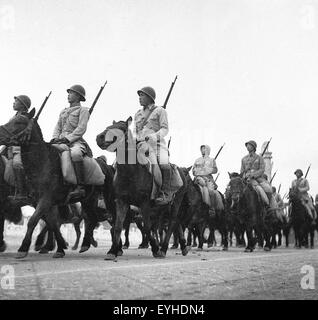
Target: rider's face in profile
18,106
73,97
144,100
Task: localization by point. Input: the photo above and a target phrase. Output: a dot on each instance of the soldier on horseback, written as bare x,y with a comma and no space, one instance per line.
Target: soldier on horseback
21,105
203,169
70,129
302,186
252,169
151,126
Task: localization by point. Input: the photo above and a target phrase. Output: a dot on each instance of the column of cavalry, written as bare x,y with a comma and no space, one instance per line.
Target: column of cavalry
65,184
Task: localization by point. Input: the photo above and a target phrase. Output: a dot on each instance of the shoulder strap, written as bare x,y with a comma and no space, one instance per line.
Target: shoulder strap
149,114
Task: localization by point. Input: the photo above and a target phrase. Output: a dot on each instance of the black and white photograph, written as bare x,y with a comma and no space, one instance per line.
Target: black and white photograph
158,150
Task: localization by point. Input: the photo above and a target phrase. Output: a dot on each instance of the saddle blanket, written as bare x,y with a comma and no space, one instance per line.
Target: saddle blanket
93,174
176,181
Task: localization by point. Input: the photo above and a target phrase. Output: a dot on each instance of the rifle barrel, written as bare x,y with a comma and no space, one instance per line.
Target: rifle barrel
42,106
97,97
169,93
219,151
266,147
307,171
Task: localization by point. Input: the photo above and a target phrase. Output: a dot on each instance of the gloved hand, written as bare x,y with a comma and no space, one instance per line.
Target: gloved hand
152,137
60,141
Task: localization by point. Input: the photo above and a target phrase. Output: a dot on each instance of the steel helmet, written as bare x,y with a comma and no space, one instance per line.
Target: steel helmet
79,90
252,143
25,100
299,171
150,92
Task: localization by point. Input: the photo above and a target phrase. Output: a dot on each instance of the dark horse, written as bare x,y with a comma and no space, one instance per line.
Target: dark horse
246,202
133,186
43,171
300,220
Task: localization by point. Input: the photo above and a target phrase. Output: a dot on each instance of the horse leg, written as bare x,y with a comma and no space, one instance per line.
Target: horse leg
39,243
175,240
43,206
2,243
250,240
121,211
91,222
189,236
200,235
144,242
78,234
50,241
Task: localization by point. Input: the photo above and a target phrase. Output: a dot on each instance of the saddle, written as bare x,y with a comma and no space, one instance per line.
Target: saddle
93,174
150,161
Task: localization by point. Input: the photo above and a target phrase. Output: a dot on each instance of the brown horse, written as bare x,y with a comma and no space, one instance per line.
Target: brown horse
133,186
43,170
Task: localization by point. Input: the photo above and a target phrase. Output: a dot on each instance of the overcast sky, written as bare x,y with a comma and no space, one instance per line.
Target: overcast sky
247,69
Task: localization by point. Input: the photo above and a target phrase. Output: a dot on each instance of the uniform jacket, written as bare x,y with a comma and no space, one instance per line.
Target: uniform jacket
302,185
205,166
156,126
253,164
72,123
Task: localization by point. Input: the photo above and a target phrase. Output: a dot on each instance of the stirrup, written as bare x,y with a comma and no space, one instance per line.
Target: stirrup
162,200
79,192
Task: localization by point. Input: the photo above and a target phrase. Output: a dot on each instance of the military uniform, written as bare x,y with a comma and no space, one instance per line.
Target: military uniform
203,169
70,128
72,125
151,126
14,154
302,185
253,168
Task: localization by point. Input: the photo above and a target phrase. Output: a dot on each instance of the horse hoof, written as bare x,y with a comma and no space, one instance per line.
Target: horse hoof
110,257
267,249
199,249
119,253
37,247
173,247
159,255
125,247
3,247
185,251
225,249
94,243
44,251
74,247
248,250
21,254
58,255
83,249
143,246
210,245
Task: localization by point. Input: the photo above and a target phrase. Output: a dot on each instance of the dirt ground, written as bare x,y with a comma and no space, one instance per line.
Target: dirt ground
207,274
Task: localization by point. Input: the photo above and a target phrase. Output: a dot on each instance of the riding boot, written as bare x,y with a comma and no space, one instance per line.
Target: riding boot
165,196
79,191
21,197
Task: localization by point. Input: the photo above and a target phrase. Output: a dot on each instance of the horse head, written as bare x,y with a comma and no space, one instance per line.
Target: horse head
114,136
18,130
235,190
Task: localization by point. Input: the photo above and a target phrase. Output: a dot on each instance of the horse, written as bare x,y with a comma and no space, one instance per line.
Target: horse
300,220
133,186
250,208
43,170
